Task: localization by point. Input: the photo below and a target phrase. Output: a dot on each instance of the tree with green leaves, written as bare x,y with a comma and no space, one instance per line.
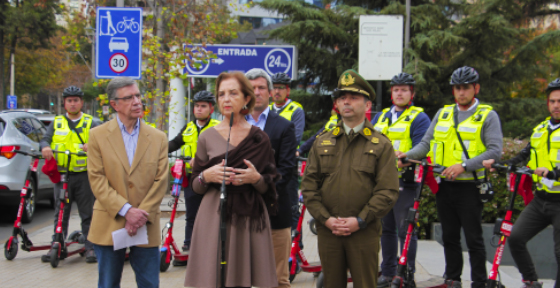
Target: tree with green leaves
497,37
25,23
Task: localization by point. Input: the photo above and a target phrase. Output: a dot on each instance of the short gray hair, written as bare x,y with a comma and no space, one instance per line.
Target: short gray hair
258,72
118,83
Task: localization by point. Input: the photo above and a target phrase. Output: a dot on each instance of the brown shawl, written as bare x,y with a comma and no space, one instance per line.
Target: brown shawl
243,200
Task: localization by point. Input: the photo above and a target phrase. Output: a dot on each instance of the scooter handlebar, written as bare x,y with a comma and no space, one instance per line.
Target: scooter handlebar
524,170
185,158
32,154
68,152
301,159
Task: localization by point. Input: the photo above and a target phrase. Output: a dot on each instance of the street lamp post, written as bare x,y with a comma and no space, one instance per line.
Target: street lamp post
90,32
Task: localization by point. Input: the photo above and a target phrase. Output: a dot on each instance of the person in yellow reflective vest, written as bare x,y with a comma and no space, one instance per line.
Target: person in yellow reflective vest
293,111
405,125
186,140
544,209
60,136
459,200
306,146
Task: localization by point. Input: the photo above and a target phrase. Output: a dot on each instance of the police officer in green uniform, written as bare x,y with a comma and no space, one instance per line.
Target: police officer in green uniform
544,209
405,125
293,111
350,183
204,103
71,132
459,199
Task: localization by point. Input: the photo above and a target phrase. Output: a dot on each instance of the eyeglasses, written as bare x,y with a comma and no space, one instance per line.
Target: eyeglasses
128,98
279,88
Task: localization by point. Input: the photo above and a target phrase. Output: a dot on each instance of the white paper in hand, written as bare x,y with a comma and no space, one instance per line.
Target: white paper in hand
121,239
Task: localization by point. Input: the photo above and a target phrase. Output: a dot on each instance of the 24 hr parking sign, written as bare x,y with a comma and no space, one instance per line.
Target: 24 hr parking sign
118,42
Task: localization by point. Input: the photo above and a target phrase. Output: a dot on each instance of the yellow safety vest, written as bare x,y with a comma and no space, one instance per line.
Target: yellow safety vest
66,139
398,132
190,137
289,110
545,155
331,123
445,148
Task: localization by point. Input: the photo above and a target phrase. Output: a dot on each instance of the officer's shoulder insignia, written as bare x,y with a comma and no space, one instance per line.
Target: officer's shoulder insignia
347,80
374,140
367,131
336,131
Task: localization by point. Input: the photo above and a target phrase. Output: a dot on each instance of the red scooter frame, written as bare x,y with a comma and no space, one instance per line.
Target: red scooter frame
169,249
59,248
11,246
403,279
503,227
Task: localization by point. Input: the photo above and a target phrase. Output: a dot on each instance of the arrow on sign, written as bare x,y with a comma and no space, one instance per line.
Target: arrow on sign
218,61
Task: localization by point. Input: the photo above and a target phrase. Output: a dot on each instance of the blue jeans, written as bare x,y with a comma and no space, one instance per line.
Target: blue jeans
394,229
144,262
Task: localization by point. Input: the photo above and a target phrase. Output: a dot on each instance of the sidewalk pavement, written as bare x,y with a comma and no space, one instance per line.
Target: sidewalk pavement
26,270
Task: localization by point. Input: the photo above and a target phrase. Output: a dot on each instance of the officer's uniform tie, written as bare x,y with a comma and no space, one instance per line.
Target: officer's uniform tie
351,135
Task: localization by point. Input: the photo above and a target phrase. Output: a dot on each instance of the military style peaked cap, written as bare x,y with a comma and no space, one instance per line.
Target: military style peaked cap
351,81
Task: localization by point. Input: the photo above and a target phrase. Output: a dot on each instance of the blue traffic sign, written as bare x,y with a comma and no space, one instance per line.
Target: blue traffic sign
12,102
118,42
273,59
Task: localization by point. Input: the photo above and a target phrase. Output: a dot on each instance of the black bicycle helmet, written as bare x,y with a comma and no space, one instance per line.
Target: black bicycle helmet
552,86
72,91
403,79
464,75
281,78
204,96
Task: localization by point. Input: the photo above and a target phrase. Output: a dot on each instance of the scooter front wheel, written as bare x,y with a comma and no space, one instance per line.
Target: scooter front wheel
53,254
12,251
163,265
397,282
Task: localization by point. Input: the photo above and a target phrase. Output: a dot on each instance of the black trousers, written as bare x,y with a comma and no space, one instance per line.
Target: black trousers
292,188
534,218
459,206
79,191
192,203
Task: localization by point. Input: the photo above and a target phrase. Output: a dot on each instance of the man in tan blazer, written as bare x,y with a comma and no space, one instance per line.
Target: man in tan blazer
128,173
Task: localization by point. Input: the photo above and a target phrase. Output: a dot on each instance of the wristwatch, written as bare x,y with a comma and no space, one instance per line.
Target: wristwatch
464,164
361,223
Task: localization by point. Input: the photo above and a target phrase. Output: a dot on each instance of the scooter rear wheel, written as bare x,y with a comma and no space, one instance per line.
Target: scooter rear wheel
163,266
53,254
320,280
12,252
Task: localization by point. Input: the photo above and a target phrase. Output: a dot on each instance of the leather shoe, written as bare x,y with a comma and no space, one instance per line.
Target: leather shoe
90,256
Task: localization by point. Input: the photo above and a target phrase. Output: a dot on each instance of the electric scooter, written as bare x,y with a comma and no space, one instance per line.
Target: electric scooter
296,251
11,246
169,249
59,249
403,279
503,227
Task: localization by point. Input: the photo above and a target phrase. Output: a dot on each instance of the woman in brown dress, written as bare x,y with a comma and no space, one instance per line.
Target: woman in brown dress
251,195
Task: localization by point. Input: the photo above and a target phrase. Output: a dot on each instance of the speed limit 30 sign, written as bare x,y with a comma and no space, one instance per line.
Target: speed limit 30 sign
118,63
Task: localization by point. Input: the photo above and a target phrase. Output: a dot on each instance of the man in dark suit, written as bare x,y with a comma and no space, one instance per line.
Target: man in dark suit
283,139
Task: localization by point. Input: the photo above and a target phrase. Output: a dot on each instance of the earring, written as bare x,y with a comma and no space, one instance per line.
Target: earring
245,107
244,110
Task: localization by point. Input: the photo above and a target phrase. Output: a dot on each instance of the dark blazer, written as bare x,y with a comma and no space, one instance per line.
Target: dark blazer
283,140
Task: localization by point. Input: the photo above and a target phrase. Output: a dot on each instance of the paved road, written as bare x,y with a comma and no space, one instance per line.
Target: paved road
43,217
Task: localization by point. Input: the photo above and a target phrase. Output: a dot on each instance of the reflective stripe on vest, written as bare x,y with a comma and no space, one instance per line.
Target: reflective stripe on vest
445,148
398,132
289,110
190,137
66,139
543,156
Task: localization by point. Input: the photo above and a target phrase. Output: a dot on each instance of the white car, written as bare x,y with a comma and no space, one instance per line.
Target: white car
118,43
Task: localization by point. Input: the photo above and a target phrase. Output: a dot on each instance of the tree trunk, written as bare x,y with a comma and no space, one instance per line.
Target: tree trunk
158,105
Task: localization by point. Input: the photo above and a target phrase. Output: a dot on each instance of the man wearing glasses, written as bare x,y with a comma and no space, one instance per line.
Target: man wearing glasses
293,111
128,173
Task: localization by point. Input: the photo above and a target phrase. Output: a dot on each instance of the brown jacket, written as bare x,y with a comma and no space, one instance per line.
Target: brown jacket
114,182
351,179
